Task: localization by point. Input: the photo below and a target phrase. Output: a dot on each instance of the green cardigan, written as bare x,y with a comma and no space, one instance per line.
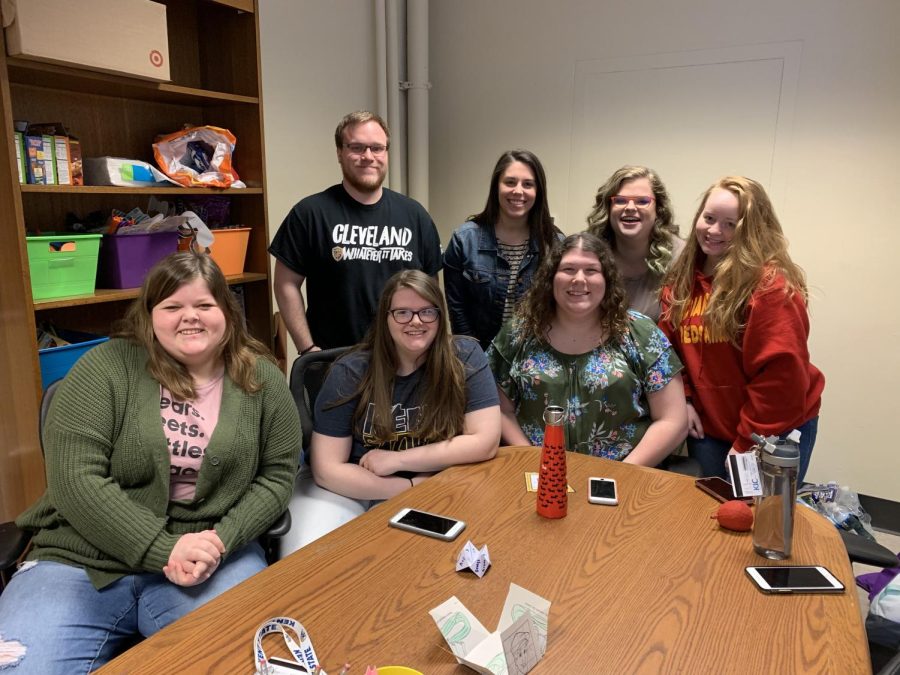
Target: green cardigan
107,506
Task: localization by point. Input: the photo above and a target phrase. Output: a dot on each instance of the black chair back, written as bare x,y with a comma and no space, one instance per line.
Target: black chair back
307,376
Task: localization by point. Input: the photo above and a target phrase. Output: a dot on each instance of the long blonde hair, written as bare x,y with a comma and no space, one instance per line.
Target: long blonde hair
665,231
757,255
443,386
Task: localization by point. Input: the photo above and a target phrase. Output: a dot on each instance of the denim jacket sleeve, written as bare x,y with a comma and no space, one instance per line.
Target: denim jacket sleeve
454,261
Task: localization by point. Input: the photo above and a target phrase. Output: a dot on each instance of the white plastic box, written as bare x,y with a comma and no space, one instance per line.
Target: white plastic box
114,36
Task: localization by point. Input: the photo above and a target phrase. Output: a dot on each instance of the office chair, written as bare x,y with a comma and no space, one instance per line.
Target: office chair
892,667
307,376
14,542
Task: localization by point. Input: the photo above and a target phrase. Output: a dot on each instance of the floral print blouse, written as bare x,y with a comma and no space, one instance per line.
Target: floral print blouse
603,392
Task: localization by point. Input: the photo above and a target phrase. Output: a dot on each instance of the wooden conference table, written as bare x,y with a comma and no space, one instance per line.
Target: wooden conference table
651,585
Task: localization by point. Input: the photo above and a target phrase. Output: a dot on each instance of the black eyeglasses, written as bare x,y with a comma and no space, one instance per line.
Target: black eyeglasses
360,148
426,315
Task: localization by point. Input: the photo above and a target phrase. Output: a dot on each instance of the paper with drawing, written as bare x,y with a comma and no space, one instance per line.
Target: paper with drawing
513,649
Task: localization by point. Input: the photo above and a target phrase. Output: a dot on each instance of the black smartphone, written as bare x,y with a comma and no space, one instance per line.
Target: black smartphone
429,524
720,489
794,579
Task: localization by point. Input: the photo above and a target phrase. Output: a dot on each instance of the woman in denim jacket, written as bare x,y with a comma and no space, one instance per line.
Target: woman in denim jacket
490,259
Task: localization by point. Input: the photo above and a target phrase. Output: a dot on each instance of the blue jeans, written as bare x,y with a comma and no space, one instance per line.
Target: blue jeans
711,452
68,626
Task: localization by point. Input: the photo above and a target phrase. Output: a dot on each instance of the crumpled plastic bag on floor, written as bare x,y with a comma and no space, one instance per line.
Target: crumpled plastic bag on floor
198,157
840,505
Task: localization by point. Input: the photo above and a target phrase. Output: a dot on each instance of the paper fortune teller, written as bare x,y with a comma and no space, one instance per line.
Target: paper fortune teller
477,560
513,649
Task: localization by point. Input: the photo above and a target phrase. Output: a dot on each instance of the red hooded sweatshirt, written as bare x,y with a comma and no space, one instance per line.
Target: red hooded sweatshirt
765,386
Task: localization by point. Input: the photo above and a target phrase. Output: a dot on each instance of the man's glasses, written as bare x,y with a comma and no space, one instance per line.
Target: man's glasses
427,315
622,200
360,148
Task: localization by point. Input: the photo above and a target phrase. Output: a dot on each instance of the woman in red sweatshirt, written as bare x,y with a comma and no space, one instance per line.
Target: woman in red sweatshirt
734,308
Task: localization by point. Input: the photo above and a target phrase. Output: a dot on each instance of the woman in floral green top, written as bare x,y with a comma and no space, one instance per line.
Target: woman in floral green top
573,343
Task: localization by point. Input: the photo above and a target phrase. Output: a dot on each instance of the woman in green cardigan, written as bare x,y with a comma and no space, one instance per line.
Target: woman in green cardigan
169,450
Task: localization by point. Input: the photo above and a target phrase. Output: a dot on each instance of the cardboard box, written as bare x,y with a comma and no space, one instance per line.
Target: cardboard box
49,154
61,141
20,156
61,160
113,36
34,160
76,165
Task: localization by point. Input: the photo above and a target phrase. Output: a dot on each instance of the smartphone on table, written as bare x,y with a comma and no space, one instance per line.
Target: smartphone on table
720,489
794,579
429,524
602,491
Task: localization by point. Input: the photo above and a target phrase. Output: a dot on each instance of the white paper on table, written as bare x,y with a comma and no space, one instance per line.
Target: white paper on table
521,645
519,642
519,602
462,631
477,560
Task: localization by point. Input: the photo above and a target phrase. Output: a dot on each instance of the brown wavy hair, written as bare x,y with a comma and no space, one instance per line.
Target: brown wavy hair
758,253
538,308
443,386
356,118
664,232
239,350
540,222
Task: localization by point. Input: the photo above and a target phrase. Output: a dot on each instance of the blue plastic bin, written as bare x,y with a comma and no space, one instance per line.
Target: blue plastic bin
57,361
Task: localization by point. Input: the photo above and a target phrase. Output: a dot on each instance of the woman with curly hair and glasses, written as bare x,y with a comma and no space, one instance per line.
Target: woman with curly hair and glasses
573,343
632,212
734,306
410,400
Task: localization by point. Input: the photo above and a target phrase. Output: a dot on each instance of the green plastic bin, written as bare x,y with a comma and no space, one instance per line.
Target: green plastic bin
62,264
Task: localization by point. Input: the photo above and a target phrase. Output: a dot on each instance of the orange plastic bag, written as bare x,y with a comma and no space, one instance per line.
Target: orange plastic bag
198,157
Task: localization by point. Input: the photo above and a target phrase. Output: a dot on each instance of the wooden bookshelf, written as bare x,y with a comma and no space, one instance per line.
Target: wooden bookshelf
114,190
117,115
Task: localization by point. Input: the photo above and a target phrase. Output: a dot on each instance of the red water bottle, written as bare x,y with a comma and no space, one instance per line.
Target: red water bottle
552,495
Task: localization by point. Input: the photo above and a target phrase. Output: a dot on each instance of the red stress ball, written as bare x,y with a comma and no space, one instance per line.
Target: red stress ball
735,515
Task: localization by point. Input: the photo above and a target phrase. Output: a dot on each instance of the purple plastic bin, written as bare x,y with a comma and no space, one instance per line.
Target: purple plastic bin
125,259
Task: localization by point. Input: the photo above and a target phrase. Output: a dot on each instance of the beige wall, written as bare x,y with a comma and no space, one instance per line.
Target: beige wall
504,75
317,65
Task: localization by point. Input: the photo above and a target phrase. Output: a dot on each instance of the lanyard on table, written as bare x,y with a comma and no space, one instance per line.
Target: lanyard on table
303,653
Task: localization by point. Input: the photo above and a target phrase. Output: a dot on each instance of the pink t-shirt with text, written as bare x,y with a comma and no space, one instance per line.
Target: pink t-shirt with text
188,426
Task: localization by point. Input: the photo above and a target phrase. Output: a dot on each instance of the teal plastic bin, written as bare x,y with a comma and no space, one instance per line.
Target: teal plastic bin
57,361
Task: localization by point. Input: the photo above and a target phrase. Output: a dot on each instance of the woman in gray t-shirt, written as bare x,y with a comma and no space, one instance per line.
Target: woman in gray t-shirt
410,400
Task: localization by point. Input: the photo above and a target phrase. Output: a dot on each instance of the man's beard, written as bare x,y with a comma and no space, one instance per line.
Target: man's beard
367,184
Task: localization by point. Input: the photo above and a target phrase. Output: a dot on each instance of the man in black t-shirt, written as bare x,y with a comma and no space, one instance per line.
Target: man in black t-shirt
347,241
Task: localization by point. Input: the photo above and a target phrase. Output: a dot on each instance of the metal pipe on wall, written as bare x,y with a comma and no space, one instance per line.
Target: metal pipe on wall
381,59
394,110
417,98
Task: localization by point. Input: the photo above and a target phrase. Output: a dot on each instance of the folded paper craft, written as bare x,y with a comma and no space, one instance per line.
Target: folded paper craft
478,560
513,649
